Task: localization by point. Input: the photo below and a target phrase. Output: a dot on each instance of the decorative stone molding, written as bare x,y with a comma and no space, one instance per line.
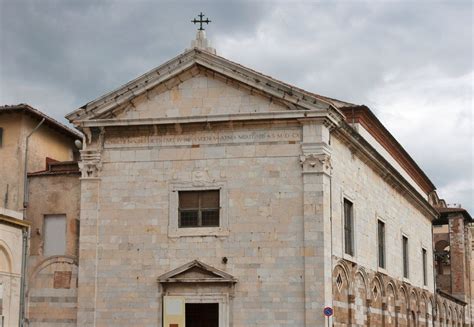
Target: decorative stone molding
90,164
200,178
317,163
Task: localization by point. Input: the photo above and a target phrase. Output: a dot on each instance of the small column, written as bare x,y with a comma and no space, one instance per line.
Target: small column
316,170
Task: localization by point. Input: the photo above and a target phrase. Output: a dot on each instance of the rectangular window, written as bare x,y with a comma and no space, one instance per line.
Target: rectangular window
348,227
1,137
405,256
425,268
199,208
54,235
381,243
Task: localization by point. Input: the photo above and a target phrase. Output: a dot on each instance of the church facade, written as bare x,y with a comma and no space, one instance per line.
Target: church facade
214,194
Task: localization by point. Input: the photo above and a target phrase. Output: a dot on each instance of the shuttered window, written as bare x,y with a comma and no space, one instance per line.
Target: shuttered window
381,243
405,256
348,227
199,208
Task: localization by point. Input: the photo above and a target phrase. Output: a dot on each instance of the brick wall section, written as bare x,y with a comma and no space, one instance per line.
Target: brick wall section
458,257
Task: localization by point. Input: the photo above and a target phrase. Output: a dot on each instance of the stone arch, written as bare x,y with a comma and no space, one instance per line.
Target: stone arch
444,314
431,310
390,304
402,307
51,261
360,298
423,316
413,309
442,251
46,277
341,291
460,317
449,316
376,294
6,258
455,317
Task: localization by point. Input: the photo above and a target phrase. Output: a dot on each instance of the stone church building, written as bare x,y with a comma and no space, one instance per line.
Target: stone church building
214,195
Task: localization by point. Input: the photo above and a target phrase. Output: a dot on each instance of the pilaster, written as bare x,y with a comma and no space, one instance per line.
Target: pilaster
457,239
90,166
316,170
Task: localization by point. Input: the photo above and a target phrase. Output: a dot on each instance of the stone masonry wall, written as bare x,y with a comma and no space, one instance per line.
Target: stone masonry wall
260,176
374,199
51,296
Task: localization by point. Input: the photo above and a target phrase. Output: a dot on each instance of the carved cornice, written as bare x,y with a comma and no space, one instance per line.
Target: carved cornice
299,115
90,164
316,163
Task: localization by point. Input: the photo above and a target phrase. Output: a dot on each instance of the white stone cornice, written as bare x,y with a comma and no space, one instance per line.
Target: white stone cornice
276,115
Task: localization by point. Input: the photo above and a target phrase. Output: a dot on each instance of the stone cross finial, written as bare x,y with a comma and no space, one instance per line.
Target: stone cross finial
201,21
201,42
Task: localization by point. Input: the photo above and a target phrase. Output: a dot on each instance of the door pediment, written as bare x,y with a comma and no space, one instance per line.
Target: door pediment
196,272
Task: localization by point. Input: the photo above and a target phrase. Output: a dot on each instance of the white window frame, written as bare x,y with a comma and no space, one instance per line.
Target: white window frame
173,214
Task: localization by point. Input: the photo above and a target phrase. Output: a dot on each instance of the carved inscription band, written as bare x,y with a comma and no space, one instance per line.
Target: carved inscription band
210,138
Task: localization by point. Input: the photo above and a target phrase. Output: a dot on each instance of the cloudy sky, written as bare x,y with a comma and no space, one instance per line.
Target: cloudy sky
409,61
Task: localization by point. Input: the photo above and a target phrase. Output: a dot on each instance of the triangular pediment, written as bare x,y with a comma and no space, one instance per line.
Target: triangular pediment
193,93
196,272
138,99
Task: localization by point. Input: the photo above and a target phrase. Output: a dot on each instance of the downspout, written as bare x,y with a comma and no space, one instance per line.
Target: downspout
25,232
434,307
25,173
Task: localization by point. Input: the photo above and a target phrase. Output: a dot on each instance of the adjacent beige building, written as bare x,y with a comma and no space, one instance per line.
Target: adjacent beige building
26,135
13,236
51,140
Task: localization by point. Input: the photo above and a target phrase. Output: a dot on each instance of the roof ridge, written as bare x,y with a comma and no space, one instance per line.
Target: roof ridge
39,113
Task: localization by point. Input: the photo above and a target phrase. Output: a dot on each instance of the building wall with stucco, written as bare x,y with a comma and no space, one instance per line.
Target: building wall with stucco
45,142
51,296
11,250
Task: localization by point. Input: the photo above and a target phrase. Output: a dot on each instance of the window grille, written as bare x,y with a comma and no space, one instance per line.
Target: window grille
199,208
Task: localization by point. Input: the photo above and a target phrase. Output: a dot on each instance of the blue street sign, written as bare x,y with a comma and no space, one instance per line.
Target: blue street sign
328,311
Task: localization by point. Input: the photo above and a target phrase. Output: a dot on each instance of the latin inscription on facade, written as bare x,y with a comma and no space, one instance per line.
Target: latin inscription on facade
218,137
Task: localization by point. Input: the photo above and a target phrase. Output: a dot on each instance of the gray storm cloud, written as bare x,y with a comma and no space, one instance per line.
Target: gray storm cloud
411,62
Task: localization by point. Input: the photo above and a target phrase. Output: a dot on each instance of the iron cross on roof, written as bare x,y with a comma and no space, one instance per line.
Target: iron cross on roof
200,21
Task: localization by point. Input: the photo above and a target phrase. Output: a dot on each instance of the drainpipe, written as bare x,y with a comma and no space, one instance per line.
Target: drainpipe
25,232
434,307
23,276
25,173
